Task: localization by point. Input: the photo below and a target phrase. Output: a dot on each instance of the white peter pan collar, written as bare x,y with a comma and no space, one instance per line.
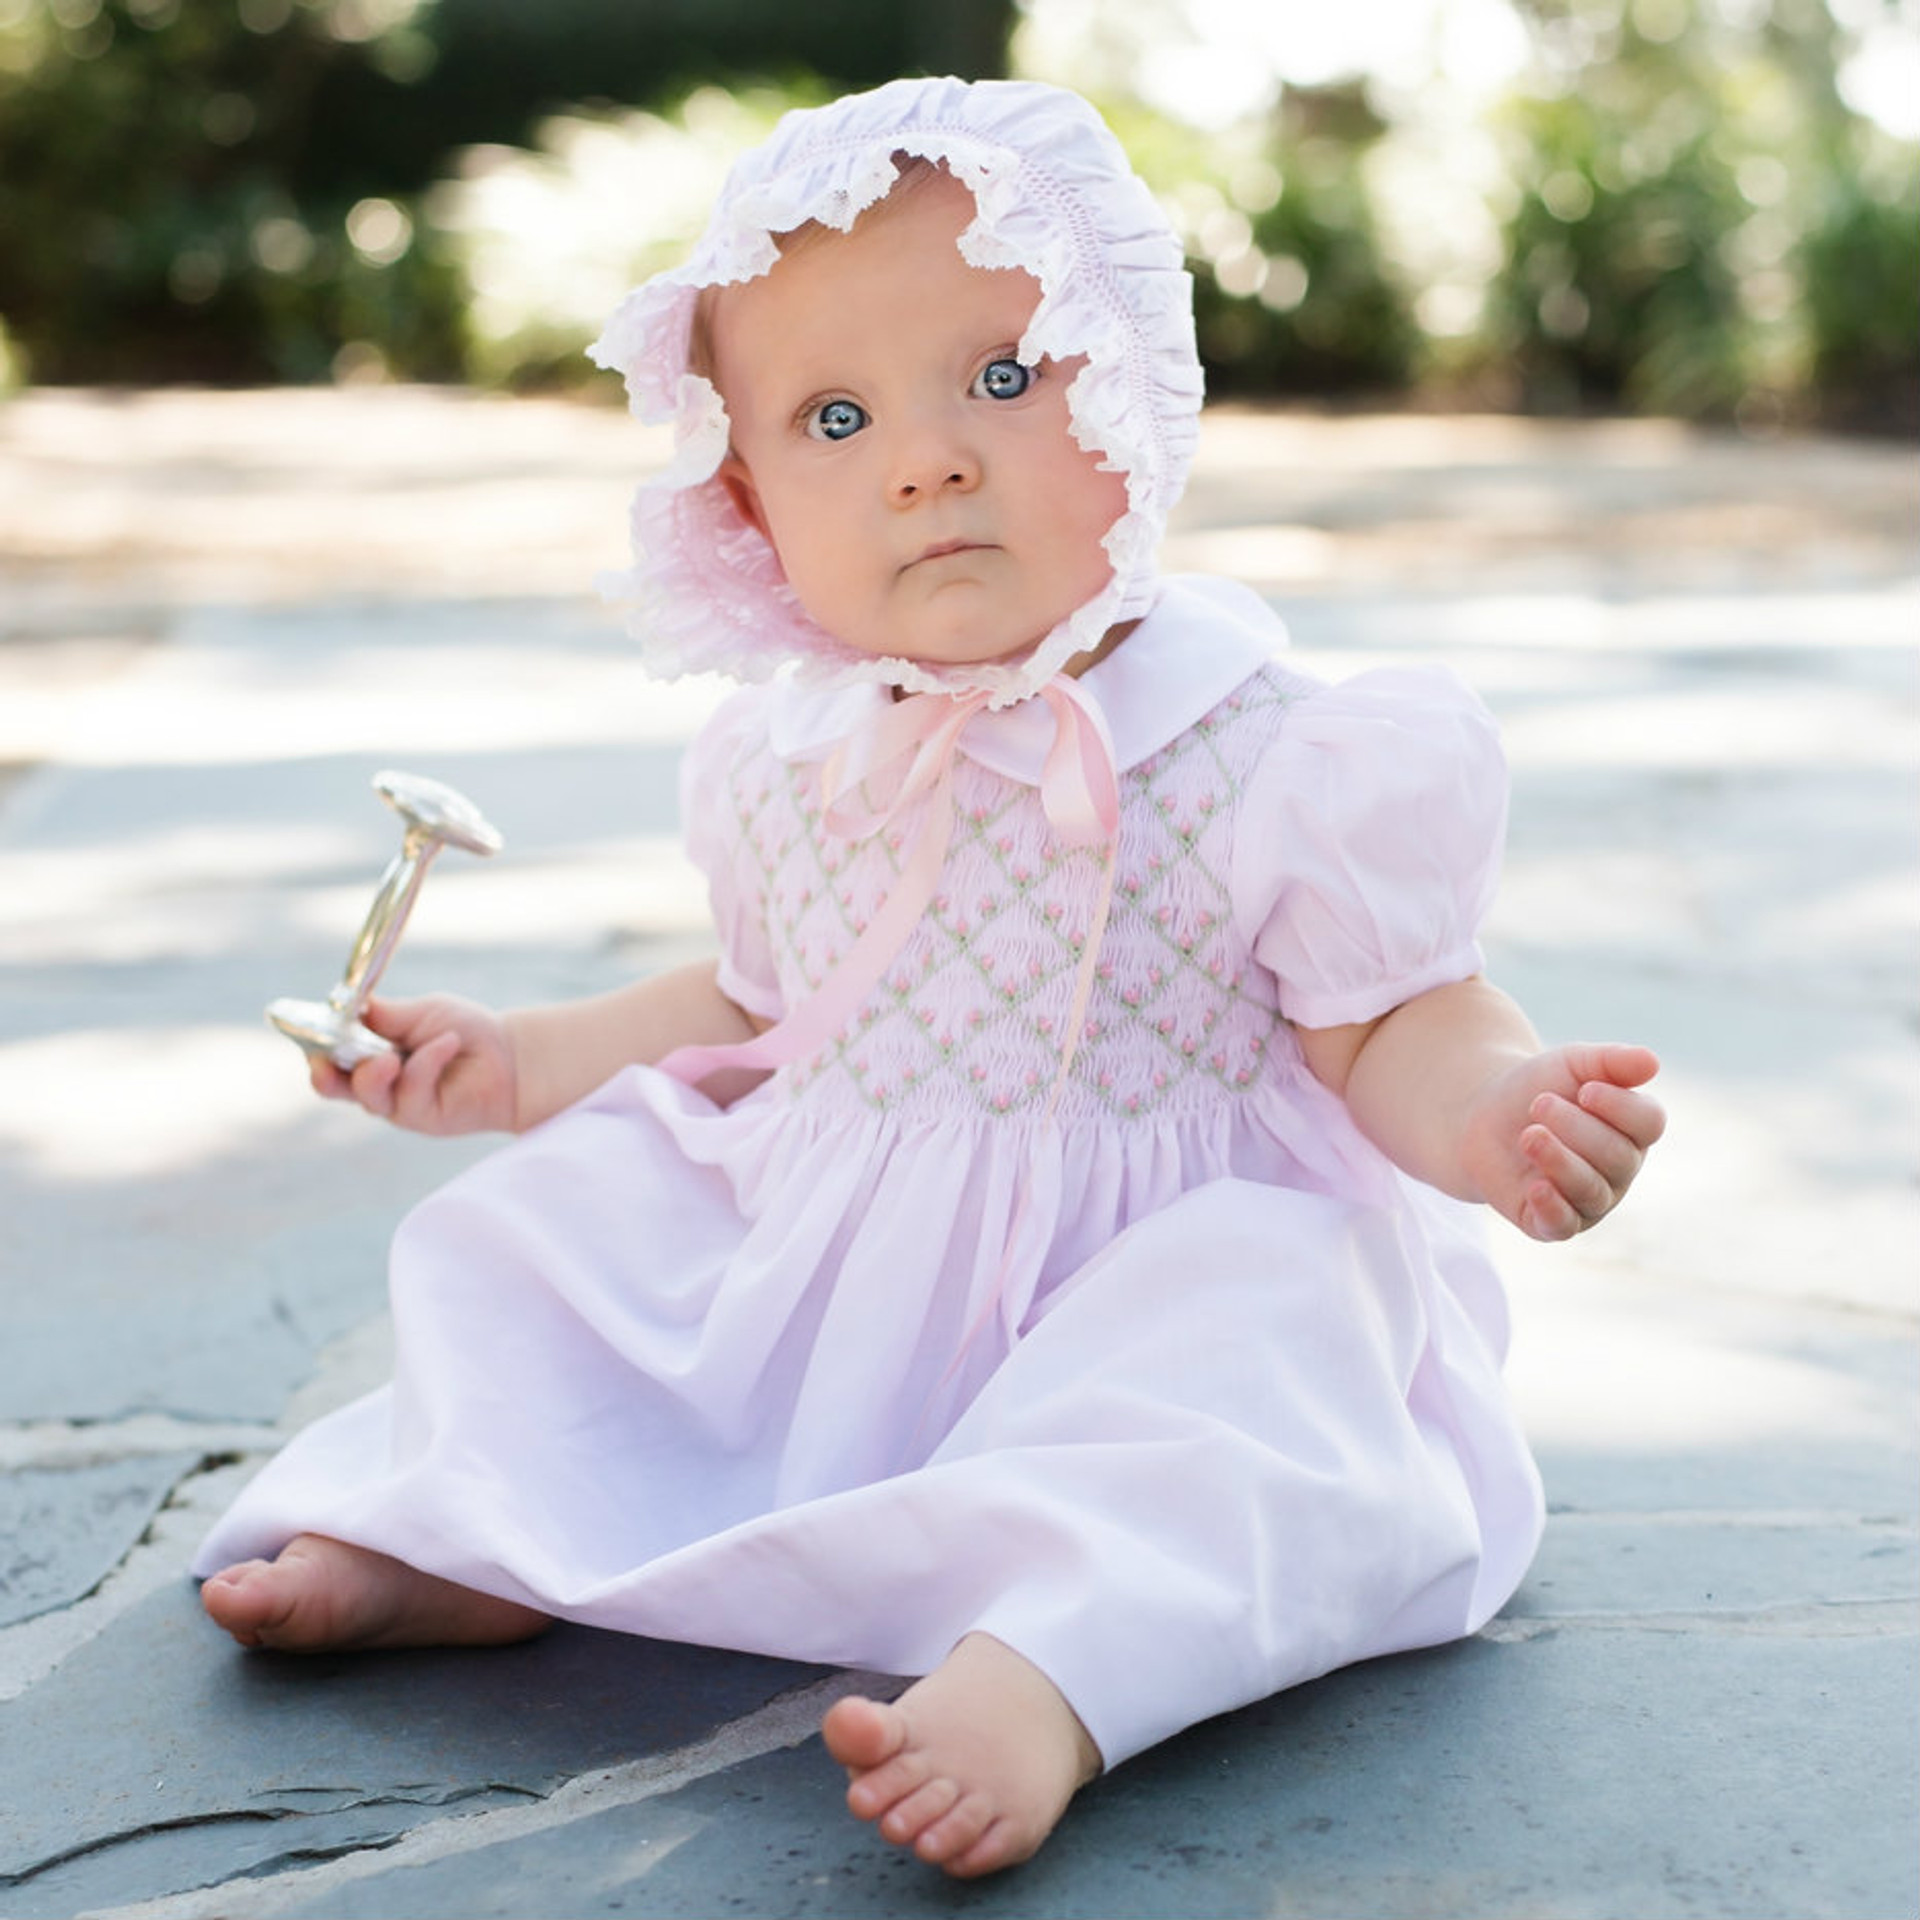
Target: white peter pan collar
1201,639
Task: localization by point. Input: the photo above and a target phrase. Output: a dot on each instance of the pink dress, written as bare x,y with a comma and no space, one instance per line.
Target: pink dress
1230,1413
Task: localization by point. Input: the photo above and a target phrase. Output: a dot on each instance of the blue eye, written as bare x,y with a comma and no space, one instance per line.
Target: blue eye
1002,380
837,420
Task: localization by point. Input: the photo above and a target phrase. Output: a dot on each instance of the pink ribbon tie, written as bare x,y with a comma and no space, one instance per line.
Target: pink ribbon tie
873,778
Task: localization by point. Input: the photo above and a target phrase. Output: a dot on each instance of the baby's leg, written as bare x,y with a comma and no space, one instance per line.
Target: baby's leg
322,1593
972,1766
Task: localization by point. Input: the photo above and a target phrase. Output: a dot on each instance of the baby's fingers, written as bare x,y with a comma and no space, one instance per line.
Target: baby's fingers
1570,1195
1638,1116
416,1090
1613,1062
1546,1214
372,1083
1586,1165
327,1079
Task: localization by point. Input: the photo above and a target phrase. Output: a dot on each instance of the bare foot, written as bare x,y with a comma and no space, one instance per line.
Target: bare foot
322,1593
972,1766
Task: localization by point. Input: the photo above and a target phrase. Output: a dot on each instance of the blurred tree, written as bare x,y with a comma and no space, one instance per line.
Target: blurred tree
1291,294
1694,219
497,67
225,189
1688,178
1859,273
147,149
1323,317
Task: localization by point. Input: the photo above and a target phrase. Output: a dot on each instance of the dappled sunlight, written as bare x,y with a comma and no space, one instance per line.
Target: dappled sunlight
50,881
1641,900
208,892
96,1106
1603,520
174,893
1239,439
185,495
1876,912
1789,1174
1791,1139
414,686
1726,728
1599,1370
557,900
1267,556
1732,619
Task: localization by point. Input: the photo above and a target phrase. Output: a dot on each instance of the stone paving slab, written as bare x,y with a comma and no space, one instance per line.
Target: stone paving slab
64,1529
219,614
1477,1780
153,1758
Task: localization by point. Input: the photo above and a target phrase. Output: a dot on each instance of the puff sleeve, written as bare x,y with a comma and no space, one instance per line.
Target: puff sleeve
718,775
1369,848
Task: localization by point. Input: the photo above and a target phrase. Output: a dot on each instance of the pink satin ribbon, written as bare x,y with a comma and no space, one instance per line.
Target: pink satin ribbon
872,779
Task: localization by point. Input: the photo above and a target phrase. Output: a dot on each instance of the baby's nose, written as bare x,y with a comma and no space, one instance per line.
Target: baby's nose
932,462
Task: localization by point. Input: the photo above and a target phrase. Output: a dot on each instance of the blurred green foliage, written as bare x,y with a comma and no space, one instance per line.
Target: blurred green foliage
1702,227
1860,263
1685,216
160,210
1291,290
231,190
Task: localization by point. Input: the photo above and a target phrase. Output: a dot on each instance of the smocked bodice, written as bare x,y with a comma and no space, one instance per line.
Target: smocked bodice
969,1016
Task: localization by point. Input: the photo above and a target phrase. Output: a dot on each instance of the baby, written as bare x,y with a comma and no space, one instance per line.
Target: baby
1034,1255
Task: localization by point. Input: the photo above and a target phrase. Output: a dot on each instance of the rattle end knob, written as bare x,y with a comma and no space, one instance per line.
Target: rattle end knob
322,1032
437,810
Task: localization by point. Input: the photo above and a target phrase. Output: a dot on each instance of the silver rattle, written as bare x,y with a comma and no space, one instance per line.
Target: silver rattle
436,816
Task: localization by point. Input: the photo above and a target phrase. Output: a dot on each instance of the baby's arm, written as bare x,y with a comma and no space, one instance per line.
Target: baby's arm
462,1068
563,1052
1456,1089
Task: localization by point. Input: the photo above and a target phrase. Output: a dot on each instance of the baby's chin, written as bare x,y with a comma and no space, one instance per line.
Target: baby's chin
972,645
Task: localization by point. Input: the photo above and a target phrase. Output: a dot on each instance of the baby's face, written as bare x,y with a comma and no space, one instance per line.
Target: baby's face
920,486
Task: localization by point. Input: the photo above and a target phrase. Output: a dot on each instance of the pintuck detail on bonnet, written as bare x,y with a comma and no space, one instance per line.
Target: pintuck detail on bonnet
1054,195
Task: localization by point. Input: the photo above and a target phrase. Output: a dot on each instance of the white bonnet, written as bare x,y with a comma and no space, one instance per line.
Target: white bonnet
1053,194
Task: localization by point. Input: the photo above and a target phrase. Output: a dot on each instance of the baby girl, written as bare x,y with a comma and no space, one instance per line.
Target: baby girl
1038,1255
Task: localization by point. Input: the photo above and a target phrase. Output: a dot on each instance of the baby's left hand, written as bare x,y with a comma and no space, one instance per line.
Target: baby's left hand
1555,1142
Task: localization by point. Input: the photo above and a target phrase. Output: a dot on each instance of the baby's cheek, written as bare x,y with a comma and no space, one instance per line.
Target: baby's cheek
1105,500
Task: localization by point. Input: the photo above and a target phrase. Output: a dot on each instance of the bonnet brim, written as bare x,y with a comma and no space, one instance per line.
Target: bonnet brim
1054,195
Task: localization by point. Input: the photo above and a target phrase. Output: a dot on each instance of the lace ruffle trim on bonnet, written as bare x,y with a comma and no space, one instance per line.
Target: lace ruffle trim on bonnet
1054,195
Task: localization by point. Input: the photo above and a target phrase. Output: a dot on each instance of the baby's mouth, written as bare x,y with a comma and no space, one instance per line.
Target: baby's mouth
944,549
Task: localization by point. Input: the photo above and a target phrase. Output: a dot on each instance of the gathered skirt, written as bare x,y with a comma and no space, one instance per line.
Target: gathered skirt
1180,1434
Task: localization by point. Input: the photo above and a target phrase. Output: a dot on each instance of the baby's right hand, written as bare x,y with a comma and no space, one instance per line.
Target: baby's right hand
451,1071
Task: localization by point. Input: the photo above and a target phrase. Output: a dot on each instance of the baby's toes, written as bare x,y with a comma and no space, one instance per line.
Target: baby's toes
908,1818
1006,1843
872,1793
956,1832
861,1733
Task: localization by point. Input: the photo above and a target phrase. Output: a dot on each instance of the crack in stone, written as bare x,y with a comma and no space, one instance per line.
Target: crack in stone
229,1817
30,1649
784,1721
171,1501
70,1527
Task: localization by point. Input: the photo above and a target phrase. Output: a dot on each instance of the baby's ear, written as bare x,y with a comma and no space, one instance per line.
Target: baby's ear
738,482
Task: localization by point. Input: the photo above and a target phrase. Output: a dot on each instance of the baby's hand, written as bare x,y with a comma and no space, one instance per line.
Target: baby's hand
451,1071
1555,1142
